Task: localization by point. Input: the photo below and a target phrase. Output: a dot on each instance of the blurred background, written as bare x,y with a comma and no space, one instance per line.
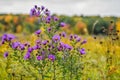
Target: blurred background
81,16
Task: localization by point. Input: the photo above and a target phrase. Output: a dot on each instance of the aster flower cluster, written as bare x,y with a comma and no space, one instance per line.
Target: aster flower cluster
45,15
7,38
52,49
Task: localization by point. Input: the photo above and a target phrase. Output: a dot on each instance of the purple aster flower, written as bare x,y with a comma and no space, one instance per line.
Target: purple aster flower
62,24
27,56
51,57
38,13
15,45
78,39
22,46
48,18
32,12
38,41
66,46
82,51
43,52
7,37
47,12
55,18
27,44
75,36
5,54
2,42
49,29
4,37
44,42
35,6
60,48
39,58
49,49
63,34
36,47
30,49
10,37
38,32
62,44
53,46
71,37
56,38
84,41
42,8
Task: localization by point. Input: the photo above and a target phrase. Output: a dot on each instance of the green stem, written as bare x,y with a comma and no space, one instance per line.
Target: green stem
63,70
77,69
42,70
54,69
71,71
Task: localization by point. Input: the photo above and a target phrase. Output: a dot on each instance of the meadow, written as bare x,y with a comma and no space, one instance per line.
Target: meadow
49,49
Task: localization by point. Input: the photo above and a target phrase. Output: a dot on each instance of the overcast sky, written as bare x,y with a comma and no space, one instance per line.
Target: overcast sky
68,7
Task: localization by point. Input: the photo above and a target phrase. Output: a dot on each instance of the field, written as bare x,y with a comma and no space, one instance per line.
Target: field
49,48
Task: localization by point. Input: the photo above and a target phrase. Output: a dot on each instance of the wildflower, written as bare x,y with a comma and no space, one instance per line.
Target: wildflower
42,8
32,12
62,24
2,42
38,13
27,56
63,34
66,46
4,37
75,36
56,38
49,29
36,47
15,45
5,54
71,37
82,51
7,37
44,42
49,49
27,44
53,46
51,57
78,39
39,58
48,18
55,18
38,32
61,46
43,52
47,12
10,37
84,41
35,6
22,46
38,42
30,49
59,49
